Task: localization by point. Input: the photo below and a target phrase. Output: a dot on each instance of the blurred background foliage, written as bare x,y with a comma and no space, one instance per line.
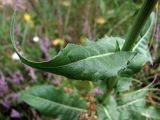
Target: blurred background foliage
43,27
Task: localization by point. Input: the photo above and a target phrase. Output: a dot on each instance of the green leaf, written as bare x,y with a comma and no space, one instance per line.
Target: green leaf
108,111
123,84
54,102
129,106
134,106
93,61
141,47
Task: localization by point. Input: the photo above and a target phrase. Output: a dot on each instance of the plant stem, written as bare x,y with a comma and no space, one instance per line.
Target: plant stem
109,90
142,16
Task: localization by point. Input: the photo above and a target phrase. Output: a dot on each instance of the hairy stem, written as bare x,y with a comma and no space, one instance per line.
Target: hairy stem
141,19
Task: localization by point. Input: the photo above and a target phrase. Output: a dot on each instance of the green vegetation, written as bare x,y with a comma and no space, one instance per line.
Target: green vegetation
103,81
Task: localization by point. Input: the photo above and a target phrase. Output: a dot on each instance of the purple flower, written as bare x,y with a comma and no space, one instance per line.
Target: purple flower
31,73
6,103
87,29
17,78
157,35
3,86
15,114
97,91
20,4
44,47
13,96
56,82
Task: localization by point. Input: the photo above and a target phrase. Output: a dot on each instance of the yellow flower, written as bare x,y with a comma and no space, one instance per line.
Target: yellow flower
158,6
28,19
82,39
58,41
100,20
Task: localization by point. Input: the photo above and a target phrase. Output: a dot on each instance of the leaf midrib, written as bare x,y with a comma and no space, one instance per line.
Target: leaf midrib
88,58
147,32
58,104
92,57
107,113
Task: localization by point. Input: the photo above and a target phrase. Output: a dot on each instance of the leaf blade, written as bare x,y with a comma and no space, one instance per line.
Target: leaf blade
53,102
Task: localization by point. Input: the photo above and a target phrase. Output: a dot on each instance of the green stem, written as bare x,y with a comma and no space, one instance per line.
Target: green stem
142,16
109,90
